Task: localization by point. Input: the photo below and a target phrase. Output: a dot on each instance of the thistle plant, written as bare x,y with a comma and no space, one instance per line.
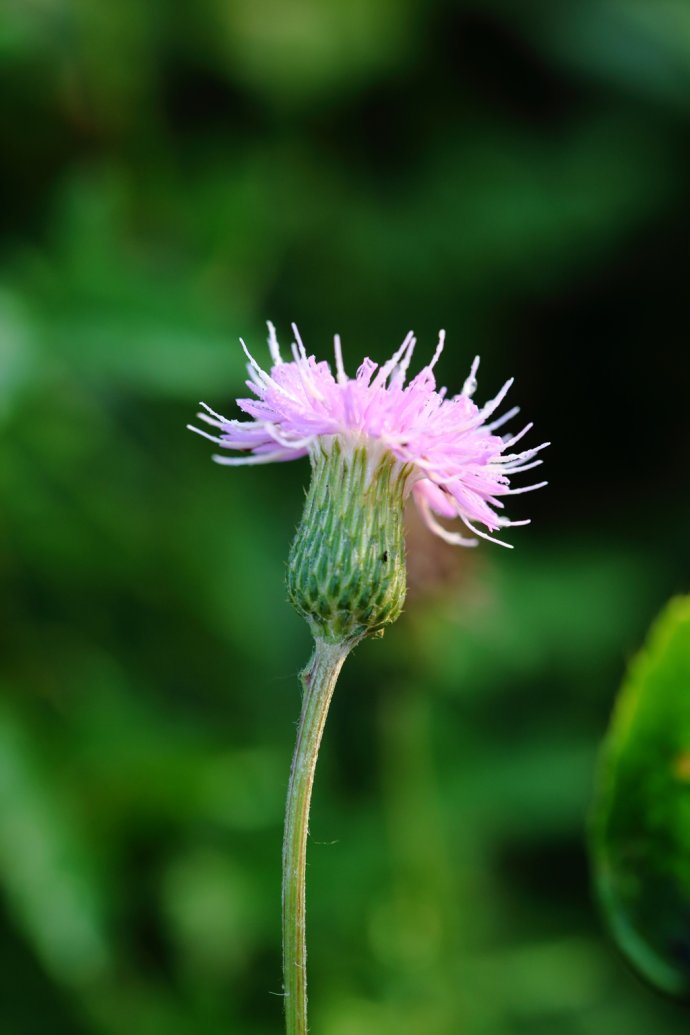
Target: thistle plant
372,440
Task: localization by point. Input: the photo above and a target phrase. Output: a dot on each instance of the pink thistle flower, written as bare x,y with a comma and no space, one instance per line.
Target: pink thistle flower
458,466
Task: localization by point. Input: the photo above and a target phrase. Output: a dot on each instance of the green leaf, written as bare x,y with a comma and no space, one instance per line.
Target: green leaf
641,820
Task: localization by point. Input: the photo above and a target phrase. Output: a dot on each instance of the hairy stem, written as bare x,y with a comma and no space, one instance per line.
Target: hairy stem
318,680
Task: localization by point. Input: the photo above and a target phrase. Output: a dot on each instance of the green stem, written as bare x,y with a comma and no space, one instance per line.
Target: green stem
318,680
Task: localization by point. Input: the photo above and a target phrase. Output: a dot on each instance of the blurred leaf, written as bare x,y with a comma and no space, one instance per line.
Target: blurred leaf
45,866
158,313
296,51
642,47
211,910
17,349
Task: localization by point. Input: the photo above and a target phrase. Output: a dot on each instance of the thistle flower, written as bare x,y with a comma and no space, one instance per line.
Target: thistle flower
456,465
372,440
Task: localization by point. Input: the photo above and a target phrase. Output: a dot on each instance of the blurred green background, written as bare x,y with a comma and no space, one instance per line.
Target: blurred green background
173,175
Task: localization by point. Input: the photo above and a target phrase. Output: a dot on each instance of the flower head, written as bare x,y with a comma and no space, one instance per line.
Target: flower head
455,463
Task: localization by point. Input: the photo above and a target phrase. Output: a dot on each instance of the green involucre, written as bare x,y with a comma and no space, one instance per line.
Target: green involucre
346,570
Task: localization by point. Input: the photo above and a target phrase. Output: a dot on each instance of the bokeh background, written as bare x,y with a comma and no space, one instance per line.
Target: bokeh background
173,175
